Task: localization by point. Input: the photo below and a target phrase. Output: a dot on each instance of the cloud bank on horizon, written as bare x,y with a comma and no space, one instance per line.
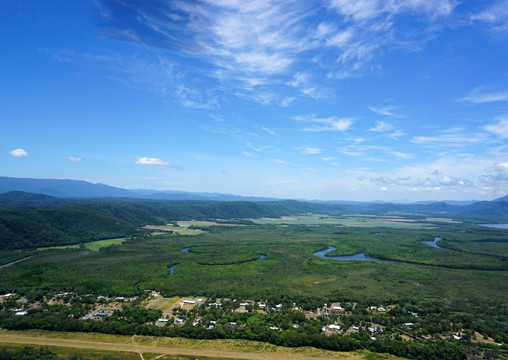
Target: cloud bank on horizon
334,99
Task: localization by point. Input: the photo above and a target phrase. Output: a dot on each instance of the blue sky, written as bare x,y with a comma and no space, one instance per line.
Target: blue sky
332,99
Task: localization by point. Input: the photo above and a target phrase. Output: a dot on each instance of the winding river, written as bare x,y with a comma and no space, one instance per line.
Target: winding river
360,256
186,250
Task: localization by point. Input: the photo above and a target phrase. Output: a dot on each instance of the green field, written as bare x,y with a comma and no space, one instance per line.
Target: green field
360,220
92,246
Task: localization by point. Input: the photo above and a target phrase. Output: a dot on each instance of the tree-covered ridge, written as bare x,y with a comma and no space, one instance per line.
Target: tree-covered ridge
29,221
36,226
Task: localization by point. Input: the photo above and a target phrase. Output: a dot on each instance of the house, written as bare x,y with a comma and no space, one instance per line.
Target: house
100,314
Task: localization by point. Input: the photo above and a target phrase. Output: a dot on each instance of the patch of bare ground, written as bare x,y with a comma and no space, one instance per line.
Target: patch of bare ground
224,349
480,338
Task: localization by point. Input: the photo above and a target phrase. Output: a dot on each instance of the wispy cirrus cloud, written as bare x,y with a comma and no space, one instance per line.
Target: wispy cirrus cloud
481,96
457,137
500,128
385,110
74,159
152,161
369,9
381,126
495,15
309,150
283,162
18,153
359,149
250,46
331,123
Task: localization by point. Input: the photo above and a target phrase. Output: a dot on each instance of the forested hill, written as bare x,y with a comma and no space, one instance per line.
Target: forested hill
33,220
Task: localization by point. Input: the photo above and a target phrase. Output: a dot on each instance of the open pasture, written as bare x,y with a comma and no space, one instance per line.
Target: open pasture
359,220
92,246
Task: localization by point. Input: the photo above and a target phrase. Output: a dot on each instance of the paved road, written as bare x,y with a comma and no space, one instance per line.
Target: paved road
28,340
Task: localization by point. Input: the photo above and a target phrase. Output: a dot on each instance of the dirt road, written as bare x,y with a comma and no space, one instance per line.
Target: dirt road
14,262
45,341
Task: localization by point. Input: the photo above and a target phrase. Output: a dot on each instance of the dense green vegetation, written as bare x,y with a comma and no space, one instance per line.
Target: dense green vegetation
44,353
464,283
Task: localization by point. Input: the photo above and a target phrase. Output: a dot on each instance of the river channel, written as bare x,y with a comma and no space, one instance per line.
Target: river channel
186,250
360,256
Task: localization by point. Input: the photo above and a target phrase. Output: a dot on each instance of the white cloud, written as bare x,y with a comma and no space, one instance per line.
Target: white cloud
452,137
154,161
269,131
481,96
331,160
18,153
252,45
495,15
497,173
74,159
500,128
362,10
331,123
396,134
310,150
278,161
381,126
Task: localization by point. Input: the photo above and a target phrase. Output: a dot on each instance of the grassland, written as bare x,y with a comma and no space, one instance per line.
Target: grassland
92,246
354,221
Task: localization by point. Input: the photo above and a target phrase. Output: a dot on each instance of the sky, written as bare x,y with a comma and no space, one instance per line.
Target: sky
393,100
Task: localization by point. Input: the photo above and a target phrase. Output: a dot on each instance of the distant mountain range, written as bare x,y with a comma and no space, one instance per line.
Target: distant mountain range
83,189
79,189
